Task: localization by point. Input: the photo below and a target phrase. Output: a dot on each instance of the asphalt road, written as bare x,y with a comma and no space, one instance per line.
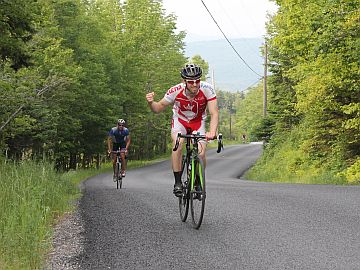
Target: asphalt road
247,225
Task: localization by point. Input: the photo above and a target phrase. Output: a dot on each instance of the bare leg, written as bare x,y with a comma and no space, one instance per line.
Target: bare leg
202,152
123,162
114,162
176,165
176,155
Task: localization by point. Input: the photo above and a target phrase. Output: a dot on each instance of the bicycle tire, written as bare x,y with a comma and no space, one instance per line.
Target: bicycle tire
197,196
184,199
118,175
120,183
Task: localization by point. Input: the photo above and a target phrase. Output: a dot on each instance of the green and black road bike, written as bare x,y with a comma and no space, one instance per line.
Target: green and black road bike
193,179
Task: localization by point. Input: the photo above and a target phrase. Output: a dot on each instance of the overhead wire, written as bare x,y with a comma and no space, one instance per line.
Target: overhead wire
229,40
255,83
257,53
248,15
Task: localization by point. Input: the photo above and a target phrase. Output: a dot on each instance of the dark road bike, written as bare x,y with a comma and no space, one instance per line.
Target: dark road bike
193,179
118,169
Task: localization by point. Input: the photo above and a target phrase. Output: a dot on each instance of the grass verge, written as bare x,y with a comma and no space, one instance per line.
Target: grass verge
32,198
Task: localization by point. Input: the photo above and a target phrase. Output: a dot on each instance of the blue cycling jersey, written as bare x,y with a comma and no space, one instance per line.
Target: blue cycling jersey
119,136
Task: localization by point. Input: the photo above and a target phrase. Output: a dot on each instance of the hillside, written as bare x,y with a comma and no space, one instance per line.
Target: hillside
230,72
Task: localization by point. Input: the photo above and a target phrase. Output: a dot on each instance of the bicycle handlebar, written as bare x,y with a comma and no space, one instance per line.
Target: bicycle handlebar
199,137
116,152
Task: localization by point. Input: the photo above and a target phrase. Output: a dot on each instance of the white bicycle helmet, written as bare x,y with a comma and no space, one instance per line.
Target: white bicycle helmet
121,121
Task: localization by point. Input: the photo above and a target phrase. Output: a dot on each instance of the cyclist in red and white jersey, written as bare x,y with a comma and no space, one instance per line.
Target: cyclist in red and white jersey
190,101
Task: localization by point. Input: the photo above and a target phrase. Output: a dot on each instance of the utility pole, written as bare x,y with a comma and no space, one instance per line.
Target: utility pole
265,87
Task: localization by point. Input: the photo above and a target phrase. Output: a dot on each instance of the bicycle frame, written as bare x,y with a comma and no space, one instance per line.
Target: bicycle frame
191,154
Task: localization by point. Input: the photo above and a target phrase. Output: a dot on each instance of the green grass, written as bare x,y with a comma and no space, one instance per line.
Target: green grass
289,163
32,195
32,198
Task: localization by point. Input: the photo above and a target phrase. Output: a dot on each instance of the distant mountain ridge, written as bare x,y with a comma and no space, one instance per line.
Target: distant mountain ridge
230,72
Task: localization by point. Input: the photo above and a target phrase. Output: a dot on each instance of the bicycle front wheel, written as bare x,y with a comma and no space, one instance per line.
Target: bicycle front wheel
184,198
118,176
197,193
119,183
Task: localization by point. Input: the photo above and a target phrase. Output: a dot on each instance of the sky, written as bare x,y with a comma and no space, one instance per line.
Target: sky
236,18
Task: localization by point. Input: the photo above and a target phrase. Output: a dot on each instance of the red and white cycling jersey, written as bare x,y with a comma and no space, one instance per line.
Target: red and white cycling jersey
190,113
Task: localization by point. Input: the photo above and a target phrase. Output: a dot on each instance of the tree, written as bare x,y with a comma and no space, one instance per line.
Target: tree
17,28
196,59
314,65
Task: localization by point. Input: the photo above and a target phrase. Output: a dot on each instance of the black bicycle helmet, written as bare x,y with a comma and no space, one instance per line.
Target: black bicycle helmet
191,72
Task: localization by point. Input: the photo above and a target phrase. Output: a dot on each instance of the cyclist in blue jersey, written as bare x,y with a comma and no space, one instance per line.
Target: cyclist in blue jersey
119,139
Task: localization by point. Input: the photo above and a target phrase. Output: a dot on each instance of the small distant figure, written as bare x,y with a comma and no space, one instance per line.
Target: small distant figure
119,139
244,138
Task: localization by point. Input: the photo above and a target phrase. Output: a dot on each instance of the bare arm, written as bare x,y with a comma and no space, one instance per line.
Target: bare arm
156,106
109,141
214,120
128,141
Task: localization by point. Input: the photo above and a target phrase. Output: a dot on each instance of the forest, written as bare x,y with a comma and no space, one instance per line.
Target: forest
70,68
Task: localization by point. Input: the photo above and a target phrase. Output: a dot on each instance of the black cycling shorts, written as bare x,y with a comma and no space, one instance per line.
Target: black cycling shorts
117,146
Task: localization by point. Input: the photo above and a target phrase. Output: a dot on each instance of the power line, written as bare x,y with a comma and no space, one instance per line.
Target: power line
229,40
255,83
248,15
235,27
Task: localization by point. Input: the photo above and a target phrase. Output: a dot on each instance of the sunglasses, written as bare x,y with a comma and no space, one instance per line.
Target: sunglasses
193,81
120,125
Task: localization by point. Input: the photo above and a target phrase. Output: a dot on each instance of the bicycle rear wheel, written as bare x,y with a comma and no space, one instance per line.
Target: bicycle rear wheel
198,193
184,199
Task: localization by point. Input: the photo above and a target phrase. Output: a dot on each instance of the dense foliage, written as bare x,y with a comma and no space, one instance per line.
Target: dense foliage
314,57
70,68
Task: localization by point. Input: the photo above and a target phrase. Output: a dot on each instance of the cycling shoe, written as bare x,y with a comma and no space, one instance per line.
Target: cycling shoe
177,189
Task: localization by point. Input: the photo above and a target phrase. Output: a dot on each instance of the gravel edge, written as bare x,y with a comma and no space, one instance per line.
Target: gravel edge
67,241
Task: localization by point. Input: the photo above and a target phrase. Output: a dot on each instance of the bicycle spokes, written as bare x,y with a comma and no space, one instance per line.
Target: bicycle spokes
118,175
198,194
184,198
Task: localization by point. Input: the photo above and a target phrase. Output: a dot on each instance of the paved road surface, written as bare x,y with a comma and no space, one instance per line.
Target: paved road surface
247,225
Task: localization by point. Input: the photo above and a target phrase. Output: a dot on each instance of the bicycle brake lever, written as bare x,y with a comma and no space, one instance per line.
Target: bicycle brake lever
177,142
